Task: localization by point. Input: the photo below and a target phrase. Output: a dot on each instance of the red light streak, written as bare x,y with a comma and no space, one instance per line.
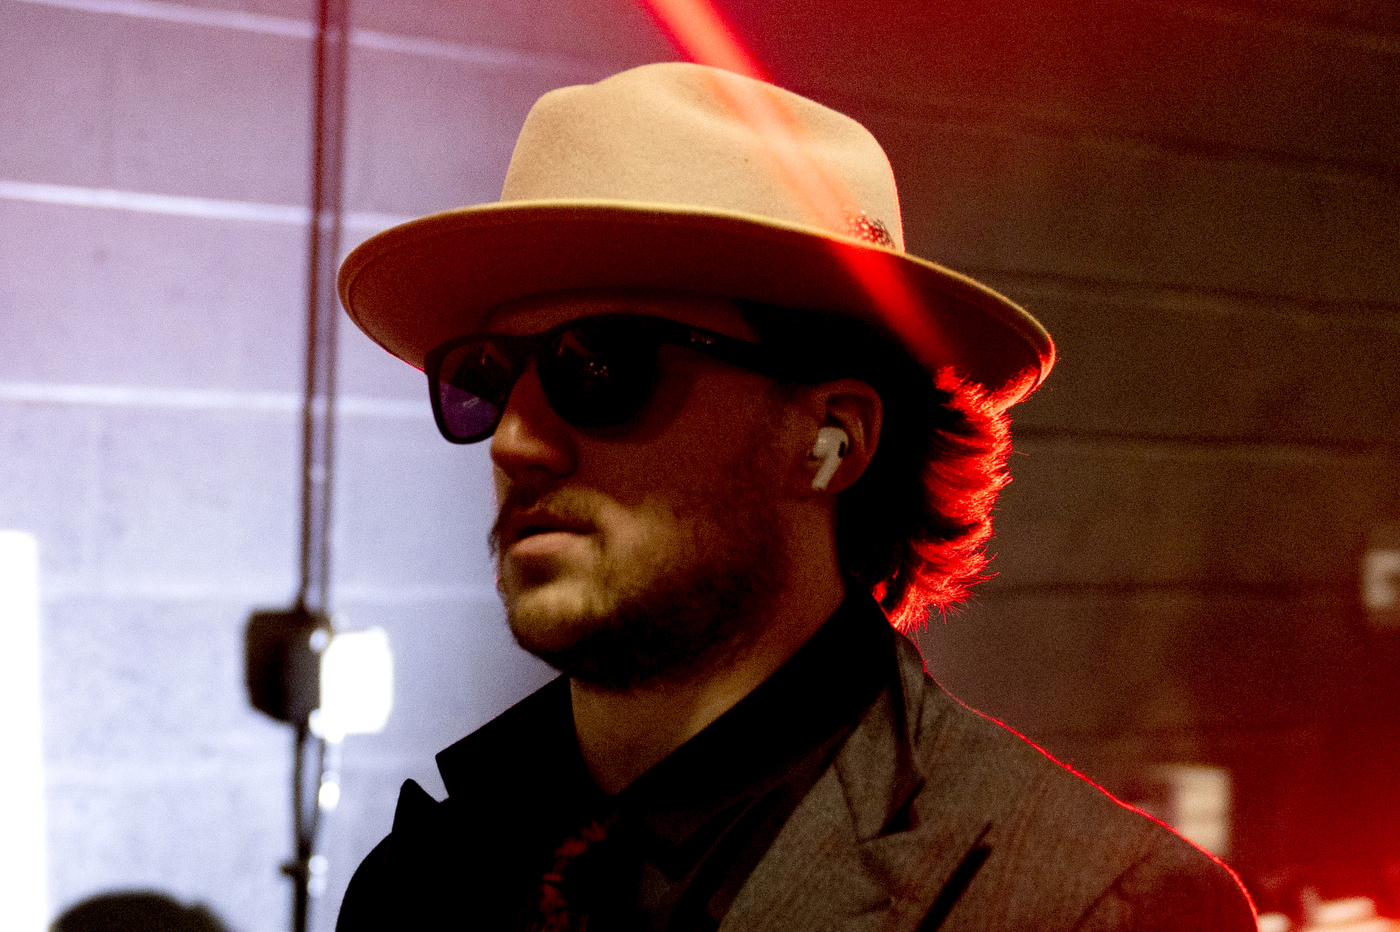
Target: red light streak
703,35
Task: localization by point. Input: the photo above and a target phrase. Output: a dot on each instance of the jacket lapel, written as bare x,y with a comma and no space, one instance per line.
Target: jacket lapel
891,834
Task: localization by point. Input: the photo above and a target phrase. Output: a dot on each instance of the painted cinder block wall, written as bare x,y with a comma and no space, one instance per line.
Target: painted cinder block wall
1197,199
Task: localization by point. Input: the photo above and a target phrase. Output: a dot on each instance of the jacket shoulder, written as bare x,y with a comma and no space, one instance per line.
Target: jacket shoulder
1061,851
373,900
439,854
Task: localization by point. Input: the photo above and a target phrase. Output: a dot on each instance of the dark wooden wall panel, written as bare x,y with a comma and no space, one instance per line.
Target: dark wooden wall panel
1083,514
1158,670
1108,210
1208,368
1207,76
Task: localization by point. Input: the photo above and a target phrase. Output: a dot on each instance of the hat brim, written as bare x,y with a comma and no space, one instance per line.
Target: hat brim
417,285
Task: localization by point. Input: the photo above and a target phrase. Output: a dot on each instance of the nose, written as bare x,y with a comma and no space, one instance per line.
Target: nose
531,441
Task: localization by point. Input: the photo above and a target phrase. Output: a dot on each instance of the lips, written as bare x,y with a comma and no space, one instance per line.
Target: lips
522,525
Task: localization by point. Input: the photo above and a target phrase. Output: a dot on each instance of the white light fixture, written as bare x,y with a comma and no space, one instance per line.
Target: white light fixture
24,878
357,685
1199,803
1380,576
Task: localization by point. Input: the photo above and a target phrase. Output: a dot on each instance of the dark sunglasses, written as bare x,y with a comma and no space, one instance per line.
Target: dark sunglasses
596,372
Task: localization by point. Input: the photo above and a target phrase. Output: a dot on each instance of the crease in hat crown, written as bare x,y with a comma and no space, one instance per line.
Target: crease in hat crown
682,177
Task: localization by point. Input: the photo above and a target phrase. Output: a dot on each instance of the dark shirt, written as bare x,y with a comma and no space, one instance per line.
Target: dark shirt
680,840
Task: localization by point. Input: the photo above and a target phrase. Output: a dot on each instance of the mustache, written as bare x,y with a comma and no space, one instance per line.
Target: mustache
567,507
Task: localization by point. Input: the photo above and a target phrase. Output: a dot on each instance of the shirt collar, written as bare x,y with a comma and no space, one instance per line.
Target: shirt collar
819,693
525,764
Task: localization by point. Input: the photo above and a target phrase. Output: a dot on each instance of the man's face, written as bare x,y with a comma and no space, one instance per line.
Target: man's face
650,549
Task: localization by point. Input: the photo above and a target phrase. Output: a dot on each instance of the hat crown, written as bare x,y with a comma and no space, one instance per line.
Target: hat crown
700,138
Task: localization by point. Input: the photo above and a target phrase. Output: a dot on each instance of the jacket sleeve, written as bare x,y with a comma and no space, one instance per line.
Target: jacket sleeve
1168,892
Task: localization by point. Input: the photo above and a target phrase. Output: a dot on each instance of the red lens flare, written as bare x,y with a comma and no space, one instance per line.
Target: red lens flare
702,34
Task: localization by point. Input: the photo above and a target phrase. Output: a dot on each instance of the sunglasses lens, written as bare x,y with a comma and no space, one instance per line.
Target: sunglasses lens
597,373
600,373
474,381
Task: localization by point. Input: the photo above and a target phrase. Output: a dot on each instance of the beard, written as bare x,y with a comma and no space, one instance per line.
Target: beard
688,597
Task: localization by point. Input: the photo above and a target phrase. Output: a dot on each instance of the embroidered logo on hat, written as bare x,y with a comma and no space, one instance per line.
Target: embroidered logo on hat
862,226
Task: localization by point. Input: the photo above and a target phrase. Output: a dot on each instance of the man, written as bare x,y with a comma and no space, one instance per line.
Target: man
727,413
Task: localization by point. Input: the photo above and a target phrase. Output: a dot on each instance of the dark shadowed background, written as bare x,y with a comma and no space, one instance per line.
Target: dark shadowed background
1199,198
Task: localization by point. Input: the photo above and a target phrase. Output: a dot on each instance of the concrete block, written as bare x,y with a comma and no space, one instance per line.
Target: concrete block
414,509
155,106
429,134
119,297
609,36
160,774
151,743
456,667
367,370
202,837
48,476
135,685
199,501
1208,77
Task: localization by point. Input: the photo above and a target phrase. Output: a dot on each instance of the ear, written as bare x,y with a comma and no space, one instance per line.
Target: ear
854,407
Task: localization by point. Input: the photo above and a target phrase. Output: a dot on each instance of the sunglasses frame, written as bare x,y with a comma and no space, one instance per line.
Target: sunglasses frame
661,331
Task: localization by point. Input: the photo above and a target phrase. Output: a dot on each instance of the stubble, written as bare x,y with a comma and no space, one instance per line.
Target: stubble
691,599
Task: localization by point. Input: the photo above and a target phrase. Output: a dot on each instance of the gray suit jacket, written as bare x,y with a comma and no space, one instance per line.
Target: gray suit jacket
931,817
935,817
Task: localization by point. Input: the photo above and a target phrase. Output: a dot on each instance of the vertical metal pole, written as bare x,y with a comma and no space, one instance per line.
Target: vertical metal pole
318,410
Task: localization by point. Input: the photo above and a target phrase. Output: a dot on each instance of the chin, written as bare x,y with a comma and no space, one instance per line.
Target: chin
551,617
618,641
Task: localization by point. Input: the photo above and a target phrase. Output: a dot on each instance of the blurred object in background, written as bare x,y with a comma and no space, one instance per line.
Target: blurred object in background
1194,799
23,849
137,911
1380,577
1352,914
357,685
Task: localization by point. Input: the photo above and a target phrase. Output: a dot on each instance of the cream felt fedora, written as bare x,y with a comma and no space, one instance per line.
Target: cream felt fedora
687,178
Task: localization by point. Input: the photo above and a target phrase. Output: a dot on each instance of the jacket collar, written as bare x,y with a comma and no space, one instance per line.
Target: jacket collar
891,834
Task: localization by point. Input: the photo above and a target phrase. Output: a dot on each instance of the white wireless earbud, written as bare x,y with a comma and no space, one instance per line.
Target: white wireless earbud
830,447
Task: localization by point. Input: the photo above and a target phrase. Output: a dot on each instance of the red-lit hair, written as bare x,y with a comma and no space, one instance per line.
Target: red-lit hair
940,550
914,528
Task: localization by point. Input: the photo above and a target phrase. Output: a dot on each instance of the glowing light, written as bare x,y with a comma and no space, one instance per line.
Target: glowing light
23,855
357,685
1200,804
1380,580
319,869
329,796
700,31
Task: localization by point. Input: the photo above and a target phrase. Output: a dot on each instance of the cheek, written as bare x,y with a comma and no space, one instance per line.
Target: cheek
705,436
499,485
639,529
